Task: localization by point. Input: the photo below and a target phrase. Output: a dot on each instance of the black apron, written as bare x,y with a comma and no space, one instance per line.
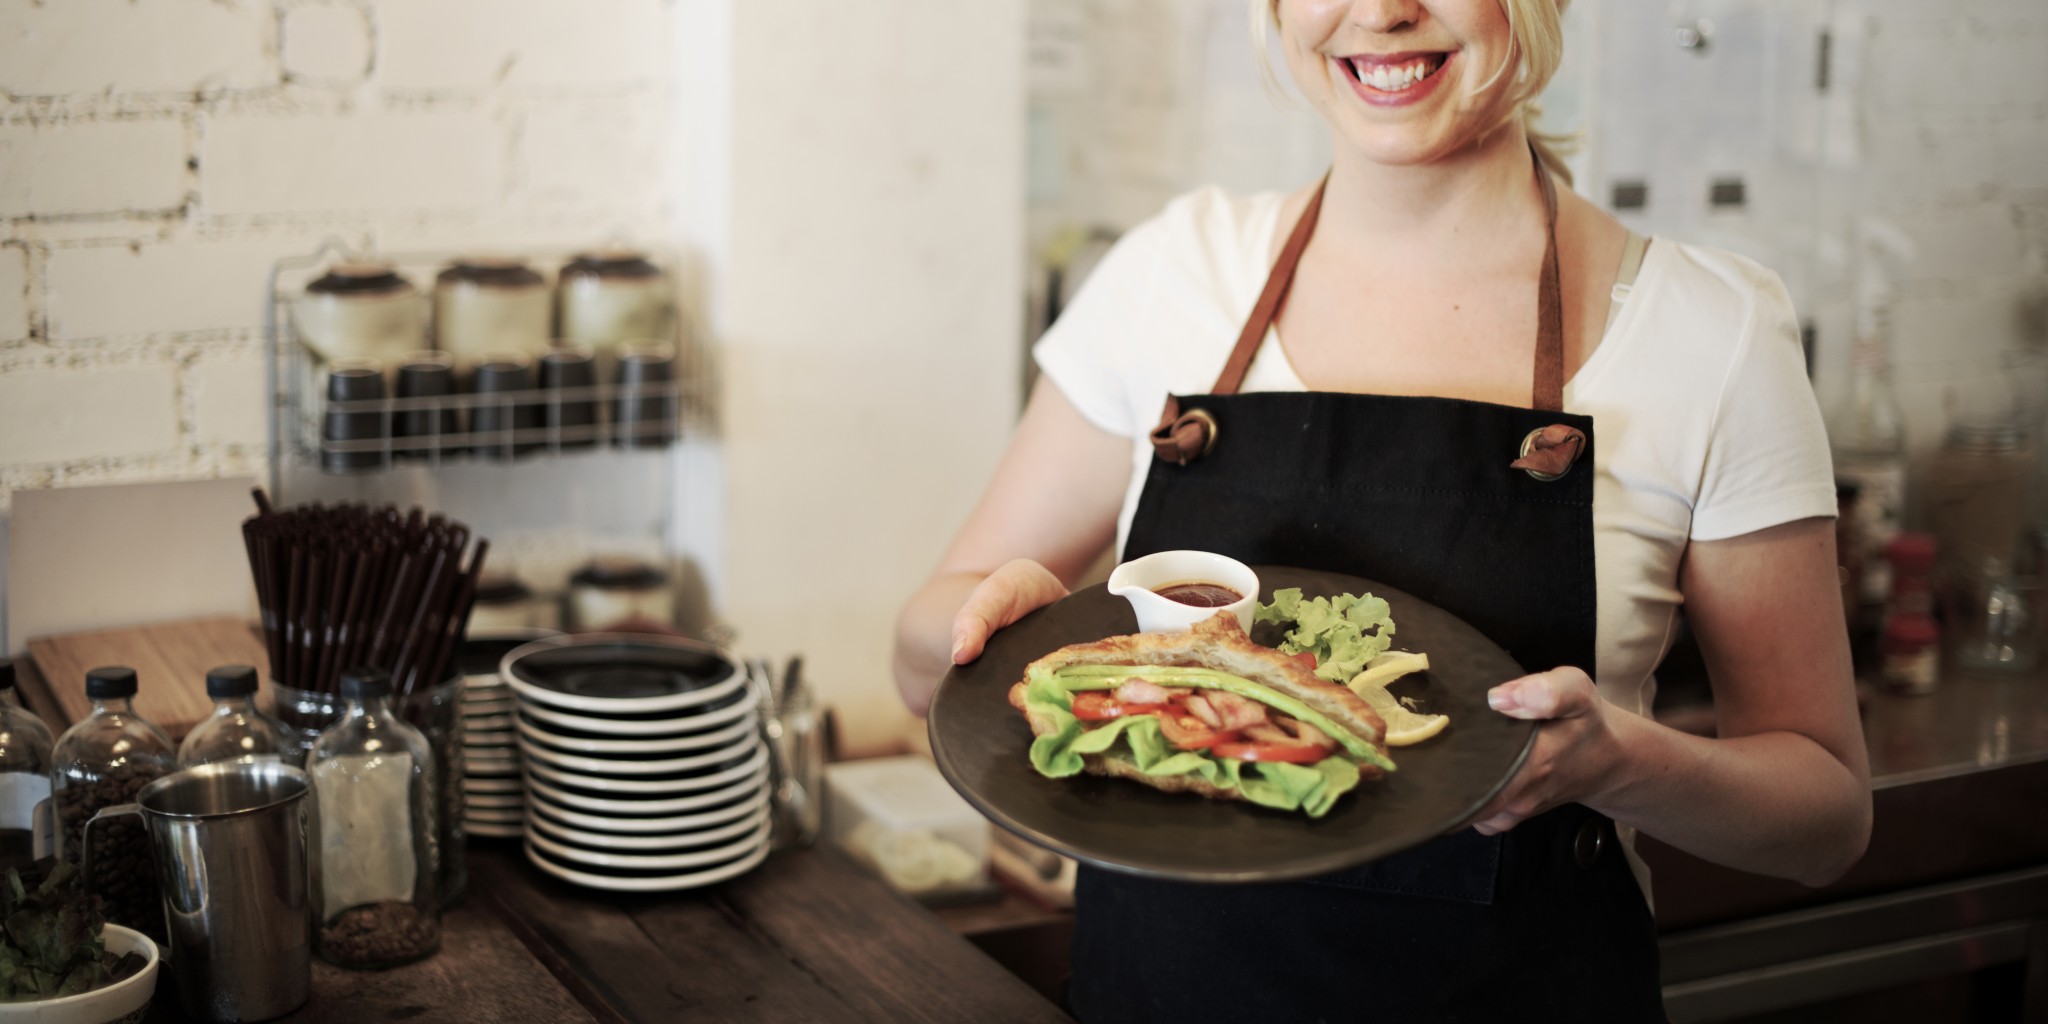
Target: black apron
1543,923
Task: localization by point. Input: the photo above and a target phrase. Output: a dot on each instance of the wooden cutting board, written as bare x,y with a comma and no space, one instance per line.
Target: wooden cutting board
170,661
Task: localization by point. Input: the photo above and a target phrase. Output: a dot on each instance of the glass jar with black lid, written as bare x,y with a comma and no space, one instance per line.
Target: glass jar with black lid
102,761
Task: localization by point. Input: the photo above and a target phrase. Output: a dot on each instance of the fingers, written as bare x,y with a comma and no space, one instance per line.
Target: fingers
1558,693
1008,594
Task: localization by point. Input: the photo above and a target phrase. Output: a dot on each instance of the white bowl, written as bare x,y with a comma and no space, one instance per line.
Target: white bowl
617,824
653,787
494,829
653,862
648,883
647,843
680,725
720,737
1136,580
492,801
612,766
475,784
538,787
116,1002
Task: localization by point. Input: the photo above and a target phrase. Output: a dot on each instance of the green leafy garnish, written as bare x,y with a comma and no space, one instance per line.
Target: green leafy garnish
50,941
1343,632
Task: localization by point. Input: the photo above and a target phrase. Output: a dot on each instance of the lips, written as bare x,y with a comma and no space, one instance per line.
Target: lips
1392,75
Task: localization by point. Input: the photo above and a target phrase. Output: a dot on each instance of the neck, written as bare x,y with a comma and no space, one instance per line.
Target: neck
1464,197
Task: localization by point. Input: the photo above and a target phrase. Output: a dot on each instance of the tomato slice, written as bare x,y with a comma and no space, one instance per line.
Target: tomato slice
1098,706
1307,659
1286,753
1186,732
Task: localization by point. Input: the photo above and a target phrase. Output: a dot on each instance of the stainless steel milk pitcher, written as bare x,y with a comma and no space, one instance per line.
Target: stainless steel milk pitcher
230,843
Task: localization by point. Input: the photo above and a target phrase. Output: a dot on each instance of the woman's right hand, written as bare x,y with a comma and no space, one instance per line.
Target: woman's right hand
1014,590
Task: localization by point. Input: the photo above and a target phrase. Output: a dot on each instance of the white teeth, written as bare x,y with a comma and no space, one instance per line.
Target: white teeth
1391,79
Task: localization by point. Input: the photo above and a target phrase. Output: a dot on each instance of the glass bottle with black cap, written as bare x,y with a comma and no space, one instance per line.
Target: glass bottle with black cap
24,781
104,760
235,730
374,775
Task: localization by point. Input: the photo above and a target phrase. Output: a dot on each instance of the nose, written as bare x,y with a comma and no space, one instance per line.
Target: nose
1385,16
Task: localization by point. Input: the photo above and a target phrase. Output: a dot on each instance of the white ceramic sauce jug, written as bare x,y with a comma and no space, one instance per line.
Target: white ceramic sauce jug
1139,580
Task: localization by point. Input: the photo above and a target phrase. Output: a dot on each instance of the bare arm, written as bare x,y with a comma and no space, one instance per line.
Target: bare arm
1784,789
1045,518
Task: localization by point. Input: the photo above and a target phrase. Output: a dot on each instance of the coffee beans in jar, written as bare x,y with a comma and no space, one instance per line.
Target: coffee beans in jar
104,761
381,934
122,872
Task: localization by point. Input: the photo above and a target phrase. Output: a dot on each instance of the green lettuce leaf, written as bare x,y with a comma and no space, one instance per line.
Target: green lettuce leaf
1344,632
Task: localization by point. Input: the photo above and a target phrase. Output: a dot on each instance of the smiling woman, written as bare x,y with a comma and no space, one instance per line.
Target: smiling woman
1419,371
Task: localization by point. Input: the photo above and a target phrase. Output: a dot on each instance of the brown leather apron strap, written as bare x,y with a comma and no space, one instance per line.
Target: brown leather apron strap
1180,438
1547,394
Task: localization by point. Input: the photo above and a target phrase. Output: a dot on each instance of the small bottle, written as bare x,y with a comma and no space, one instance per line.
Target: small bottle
235,731
374,776
1868,441
1911,642
26,835
104,760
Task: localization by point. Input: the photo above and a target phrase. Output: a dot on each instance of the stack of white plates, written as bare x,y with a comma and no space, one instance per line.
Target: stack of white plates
642,759
494,800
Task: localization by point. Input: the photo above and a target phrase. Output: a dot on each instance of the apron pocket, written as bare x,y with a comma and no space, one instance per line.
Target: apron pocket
1462,866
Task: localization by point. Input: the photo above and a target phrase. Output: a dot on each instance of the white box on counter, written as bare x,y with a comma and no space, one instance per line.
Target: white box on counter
898,816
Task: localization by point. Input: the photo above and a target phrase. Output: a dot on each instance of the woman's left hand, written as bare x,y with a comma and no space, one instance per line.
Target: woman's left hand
1575,751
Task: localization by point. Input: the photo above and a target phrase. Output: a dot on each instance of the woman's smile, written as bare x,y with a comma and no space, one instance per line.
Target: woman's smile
1394,79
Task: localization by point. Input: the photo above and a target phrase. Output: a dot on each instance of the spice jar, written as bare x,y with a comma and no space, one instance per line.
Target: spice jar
486,305
373,779
1910,646
235,730
24,781
361,311
102,761
612,296
503,603
613,592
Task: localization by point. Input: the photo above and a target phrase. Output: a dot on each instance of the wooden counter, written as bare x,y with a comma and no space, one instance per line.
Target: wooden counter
808,936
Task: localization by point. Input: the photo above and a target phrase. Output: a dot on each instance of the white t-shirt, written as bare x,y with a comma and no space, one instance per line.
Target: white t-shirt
1704,424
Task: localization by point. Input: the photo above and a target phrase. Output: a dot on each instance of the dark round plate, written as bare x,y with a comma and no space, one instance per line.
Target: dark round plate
981,745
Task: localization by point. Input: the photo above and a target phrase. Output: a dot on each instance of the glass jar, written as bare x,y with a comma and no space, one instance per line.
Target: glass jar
484,305
613,296
1977,492
102,761
437,714
236,730
374,782
361,311
25,832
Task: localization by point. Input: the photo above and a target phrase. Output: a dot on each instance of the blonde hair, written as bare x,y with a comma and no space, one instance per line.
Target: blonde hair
1536,48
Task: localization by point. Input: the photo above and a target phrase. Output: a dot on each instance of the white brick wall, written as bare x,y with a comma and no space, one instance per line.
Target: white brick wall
14,325
228,402
589,43
76,47
143,289
325,44
271,163
158,157
125,166
58,416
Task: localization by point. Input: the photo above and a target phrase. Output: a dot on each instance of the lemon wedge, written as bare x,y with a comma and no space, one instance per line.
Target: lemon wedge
1404,727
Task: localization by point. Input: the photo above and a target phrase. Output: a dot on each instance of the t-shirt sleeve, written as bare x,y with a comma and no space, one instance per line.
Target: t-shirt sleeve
1767,456
1088,352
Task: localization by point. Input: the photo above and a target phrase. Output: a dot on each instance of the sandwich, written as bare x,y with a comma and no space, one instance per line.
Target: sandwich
1206,712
